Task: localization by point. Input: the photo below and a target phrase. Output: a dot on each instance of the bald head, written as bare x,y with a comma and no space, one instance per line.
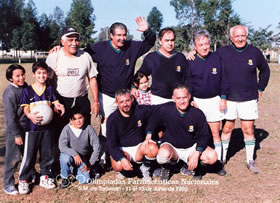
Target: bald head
239,35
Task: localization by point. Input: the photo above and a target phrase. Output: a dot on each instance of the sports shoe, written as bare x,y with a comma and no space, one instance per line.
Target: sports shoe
156,172
164,173
252,167
145,172
185,171
47,182
197,177
35,177
197,174
222,171
23,188
64,183
120,176
11,190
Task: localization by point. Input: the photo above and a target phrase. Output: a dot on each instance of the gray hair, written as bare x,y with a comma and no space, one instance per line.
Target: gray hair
117,25
201,33
245,27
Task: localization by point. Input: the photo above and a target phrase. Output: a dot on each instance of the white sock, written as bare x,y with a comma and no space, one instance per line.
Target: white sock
225,144
103,129
218,149
250,147
144,168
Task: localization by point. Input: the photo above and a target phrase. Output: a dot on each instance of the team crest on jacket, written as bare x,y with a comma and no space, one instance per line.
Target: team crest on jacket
139,123
178,69
250,62
127,62
214,71
191,129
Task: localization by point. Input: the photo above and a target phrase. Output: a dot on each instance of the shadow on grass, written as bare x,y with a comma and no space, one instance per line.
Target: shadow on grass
237,141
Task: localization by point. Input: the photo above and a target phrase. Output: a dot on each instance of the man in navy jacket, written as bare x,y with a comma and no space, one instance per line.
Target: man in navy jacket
126,135
186,134
241,62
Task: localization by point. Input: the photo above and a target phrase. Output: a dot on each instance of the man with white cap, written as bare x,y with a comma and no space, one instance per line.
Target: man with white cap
70,67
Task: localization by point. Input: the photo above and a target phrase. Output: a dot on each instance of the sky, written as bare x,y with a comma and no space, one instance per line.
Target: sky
257,13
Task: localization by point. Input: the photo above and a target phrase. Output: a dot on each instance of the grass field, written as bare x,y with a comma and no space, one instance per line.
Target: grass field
239,185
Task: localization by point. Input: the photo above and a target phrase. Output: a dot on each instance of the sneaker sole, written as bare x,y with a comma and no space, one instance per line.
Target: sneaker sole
186,174
48,188
11,193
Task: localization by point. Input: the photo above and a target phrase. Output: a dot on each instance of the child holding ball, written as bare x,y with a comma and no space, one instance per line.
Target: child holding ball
38,136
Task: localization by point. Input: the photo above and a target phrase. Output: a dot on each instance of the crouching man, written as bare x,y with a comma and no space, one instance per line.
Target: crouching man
126,135
186,134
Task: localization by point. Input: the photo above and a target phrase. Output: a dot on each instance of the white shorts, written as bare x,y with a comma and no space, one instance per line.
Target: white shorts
183,154
107,105
159,100
211,108
131,151
247,110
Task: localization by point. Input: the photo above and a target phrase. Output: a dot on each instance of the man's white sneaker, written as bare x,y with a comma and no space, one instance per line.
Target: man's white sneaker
47,182
23,188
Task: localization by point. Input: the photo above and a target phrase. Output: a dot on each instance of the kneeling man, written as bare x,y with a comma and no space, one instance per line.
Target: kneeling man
126,135
186,135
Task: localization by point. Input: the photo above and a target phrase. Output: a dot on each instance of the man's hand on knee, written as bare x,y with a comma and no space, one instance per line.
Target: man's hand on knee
77,159
193,160
126,165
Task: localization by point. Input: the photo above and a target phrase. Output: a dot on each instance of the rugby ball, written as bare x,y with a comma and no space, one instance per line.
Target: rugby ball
45,111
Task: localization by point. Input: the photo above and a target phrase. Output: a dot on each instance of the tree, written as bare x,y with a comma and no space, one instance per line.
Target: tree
277,35
155,19
189,16
16,40
44,35
82,18
56,23
188,12
10,15
261,38
183,38
104,34
216,16
30,27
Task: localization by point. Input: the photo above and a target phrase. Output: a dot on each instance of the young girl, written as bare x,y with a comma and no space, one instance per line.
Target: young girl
15,121
140,81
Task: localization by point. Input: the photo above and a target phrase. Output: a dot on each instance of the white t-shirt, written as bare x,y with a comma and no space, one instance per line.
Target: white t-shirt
72,72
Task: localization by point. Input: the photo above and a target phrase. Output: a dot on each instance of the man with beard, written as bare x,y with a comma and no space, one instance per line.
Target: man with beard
126,135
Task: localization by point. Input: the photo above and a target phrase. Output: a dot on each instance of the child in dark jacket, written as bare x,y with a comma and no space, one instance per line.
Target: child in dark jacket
15,125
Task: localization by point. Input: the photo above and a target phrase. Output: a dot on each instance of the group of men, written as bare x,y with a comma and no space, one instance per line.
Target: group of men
189,96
